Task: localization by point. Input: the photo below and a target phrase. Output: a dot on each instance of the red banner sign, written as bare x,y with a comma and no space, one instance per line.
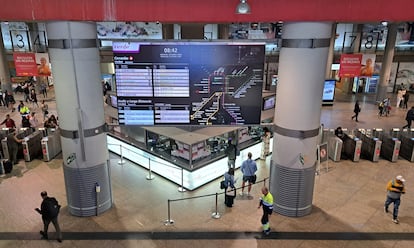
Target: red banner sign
25,64
350,65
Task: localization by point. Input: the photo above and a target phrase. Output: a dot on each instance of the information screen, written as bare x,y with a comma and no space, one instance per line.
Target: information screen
328,91
189,83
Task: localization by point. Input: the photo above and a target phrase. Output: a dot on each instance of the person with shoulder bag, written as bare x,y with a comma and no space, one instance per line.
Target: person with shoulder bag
230,189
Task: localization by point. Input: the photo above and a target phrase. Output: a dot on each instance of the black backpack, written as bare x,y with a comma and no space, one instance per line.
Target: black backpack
52,207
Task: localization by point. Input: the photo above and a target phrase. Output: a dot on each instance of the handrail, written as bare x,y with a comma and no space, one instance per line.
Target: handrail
150,176
148,157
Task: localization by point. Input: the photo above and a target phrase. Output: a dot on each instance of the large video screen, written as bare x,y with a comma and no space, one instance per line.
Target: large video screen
189,83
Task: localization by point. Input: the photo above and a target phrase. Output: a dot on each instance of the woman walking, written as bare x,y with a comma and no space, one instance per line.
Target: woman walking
357,109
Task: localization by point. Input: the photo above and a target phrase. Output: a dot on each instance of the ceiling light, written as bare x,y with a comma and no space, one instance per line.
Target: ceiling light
243,7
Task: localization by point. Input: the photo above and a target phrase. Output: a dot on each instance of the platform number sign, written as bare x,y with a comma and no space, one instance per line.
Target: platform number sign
20,40
369,41
28,41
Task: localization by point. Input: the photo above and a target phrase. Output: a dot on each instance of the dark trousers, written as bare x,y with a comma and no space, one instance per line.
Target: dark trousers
355,116
265,217
46,223
408,124
13,154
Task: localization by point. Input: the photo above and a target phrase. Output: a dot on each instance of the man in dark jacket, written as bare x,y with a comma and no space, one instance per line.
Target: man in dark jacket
13,145
49,210
409,117
231,152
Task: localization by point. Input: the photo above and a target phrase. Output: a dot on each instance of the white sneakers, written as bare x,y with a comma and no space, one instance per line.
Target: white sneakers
242,194
396,221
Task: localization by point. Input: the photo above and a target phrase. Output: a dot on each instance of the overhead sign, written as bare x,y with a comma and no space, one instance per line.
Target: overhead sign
189,83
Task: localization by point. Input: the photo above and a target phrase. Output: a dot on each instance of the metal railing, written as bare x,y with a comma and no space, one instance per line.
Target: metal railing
150,175
215,214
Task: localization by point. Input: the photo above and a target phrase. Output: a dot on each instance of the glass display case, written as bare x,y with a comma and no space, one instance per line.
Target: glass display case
190,156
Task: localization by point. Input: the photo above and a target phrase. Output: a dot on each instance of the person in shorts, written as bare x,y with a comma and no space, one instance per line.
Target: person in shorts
248,168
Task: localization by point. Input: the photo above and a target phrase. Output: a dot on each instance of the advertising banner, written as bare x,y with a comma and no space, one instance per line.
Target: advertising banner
350,65
129,30
43,66
25,64
367,65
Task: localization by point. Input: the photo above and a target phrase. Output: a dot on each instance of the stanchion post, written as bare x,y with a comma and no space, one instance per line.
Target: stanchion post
181,188
150,176
169,221
121,161
216,214
97,191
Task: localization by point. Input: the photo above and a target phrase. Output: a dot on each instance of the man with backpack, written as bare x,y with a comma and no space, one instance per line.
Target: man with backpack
49,210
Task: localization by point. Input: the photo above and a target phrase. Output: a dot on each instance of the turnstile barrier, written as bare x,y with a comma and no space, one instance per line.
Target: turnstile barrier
371,146
51,144
352,147
32,146
334,148
407,144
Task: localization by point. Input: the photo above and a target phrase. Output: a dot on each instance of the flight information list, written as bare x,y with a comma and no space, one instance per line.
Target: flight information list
188,84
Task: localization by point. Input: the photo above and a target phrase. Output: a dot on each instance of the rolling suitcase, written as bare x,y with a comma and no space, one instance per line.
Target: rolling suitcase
7,166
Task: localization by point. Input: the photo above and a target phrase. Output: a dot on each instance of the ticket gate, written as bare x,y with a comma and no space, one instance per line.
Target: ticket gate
31,146
390,147
326,135
335,145
351,147
3,135
51,145
407,144
371,146
5,148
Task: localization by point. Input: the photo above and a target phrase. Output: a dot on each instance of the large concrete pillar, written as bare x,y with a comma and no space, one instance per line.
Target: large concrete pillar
387,61
75,58
302,65
328,73
4,68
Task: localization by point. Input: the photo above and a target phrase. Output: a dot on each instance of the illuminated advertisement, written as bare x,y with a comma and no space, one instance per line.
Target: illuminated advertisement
328,91
350,65
189,83
25,64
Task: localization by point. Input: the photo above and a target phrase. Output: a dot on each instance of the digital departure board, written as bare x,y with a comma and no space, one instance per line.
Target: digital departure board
189,83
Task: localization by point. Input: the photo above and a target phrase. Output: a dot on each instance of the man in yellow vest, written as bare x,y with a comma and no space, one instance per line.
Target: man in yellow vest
266,202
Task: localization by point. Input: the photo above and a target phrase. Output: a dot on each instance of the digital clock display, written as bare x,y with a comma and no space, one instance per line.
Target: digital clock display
170,50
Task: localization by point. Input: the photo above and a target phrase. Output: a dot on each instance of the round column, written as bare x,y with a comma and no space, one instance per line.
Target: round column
387,61
302,65
75,57
4,68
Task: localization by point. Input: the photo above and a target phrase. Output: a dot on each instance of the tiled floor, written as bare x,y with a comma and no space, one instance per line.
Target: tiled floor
347,206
